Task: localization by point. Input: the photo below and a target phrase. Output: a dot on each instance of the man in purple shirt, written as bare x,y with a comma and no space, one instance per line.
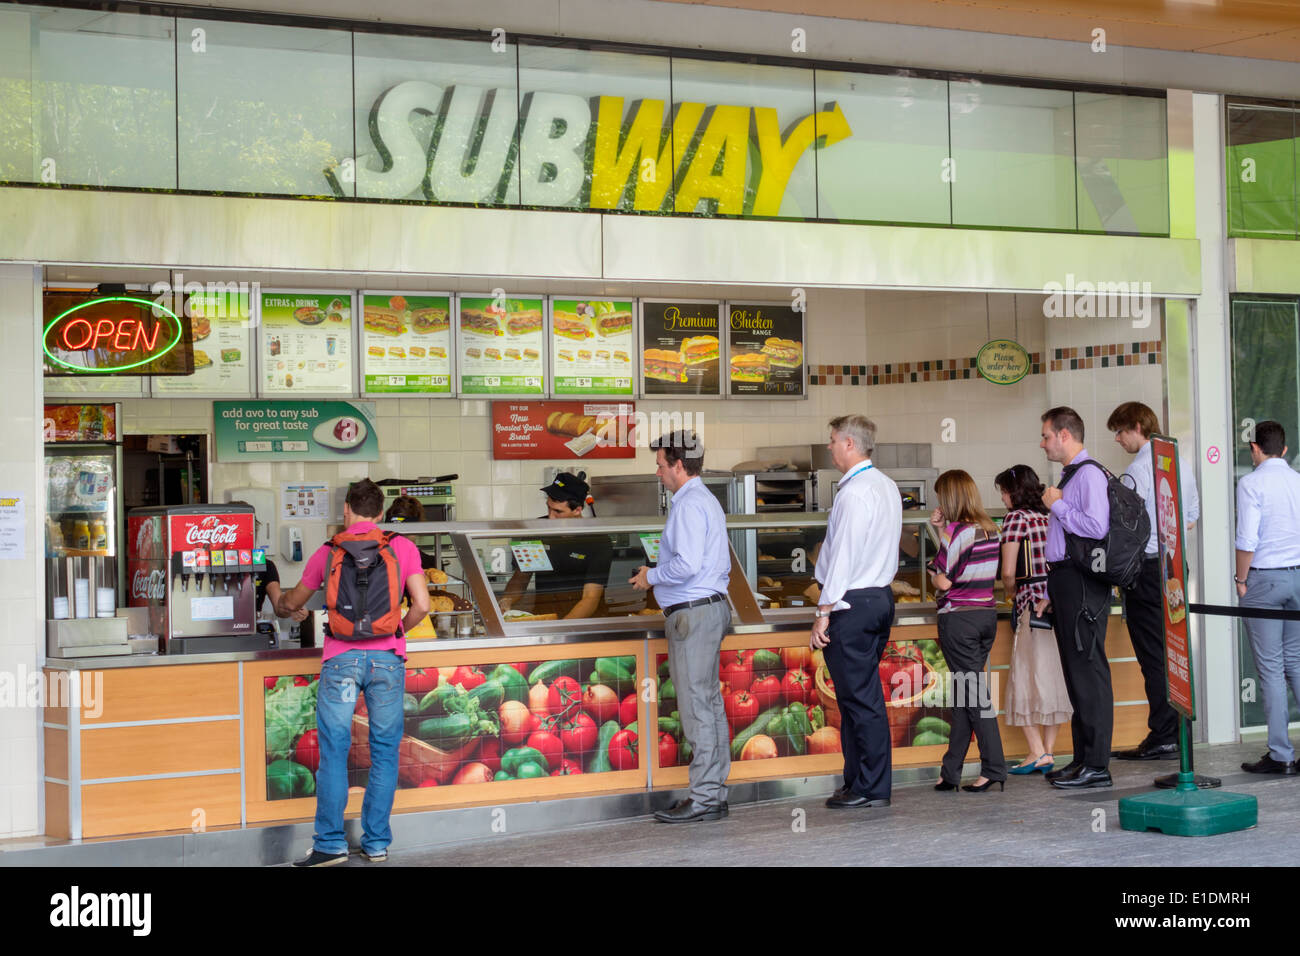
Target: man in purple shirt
1080,602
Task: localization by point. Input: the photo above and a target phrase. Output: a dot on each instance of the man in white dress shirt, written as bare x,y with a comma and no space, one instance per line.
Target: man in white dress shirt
1268,576
1133,424
857,562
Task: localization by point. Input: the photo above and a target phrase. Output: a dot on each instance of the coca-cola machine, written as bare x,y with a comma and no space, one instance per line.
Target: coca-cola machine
192,566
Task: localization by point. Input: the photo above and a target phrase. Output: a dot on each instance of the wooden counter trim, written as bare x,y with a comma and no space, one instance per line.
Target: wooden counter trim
159,749
171,803
163,694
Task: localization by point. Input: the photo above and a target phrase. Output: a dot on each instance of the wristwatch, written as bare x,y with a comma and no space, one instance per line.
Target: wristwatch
1238,580
820,613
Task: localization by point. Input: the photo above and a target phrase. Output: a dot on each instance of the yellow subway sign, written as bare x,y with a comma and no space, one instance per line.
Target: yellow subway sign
570,151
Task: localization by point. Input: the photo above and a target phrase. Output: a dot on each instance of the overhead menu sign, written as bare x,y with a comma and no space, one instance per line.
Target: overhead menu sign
765,350
500,346
221,326
680,350
592,347
407,343
295,431
306,343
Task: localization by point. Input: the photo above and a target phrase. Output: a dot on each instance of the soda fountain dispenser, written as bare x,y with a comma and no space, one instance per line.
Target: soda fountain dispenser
213,546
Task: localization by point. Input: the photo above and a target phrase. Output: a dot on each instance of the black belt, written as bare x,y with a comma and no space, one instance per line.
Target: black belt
713,598
1294,567
1057,565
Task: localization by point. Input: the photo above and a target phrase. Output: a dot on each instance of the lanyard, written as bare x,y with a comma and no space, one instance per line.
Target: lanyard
853,474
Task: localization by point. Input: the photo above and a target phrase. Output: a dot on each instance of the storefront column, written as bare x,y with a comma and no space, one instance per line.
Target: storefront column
1220,706
22,586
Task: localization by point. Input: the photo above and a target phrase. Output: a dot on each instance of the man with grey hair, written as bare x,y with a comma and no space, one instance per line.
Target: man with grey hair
855,611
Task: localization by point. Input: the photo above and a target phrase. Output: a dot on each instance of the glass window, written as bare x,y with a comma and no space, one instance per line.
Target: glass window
596,129
262,109
104,102
742,139
1014,156
19,161
1261,171
883,153
1122,162
435,120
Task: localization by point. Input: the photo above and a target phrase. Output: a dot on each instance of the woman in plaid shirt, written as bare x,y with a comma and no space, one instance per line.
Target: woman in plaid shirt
1036,698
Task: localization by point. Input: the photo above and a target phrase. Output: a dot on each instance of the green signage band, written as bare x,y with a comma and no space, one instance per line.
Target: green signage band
111,335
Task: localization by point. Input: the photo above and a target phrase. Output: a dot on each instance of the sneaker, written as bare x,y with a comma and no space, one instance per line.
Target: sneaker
317,858
379,856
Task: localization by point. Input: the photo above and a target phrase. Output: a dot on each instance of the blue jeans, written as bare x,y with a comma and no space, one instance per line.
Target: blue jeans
381,676
1276,646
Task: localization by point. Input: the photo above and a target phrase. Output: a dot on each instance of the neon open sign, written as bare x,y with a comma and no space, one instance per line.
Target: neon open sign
111,334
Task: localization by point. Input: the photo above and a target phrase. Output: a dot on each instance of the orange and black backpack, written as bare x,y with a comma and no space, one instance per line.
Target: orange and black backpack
363,586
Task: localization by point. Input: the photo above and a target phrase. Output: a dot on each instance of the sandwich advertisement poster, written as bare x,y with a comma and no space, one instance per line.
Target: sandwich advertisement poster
592,347
221,323
1173,574
406,343
563,430
306,343
765,350
680,351
500,344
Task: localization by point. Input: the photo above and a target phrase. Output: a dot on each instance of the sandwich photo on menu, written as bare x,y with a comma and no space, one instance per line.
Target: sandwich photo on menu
565,355
492,354
396,351
383,321
201,359
570,326
524,323
786,353
664,365
699,349
417,351
200,327
614,323
427,321
513,354
750,367
621,356
437,351
473,353
532,355
375,351
479,322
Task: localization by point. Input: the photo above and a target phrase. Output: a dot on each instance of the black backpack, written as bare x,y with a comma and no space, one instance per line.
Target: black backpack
1117,558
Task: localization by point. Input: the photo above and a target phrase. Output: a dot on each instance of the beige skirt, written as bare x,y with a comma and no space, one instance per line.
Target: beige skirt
1036,691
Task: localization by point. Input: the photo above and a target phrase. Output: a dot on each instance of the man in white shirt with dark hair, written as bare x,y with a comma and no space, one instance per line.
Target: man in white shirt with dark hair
855,566
1268,576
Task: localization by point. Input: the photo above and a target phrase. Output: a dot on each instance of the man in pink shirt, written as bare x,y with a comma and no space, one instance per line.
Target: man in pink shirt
376,667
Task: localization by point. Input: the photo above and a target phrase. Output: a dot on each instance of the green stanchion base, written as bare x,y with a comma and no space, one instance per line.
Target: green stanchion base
1189,811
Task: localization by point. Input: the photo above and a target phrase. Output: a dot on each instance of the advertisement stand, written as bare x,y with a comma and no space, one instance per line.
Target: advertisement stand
1187,809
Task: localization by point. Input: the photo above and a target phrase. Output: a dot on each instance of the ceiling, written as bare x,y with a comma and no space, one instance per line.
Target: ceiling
1261,29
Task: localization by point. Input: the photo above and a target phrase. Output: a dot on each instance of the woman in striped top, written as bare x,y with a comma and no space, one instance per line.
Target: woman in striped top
963,573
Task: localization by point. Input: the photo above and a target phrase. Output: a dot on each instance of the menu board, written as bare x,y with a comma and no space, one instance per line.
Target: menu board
221,323
407,343
592,347
563,430
765,350
680,348
306,343
500,346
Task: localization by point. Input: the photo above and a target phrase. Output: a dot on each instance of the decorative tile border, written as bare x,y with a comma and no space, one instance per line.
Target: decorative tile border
944,370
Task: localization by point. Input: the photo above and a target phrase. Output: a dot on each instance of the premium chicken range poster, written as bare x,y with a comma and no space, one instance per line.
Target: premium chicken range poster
765,350
406,343
680,351
592,347
501,343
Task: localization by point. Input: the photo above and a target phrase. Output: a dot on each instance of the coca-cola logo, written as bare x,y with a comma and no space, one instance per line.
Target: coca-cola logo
211,531
148,585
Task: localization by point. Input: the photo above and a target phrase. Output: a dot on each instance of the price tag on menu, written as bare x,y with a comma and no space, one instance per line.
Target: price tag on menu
650,545
530,556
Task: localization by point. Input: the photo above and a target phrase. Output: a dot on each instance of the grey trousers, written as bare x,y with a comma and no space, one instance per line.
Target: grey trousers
1276,646
694,644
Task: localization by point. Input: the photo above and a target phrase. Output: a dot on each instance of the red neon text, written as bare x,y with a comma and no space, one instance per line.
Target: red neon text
121,335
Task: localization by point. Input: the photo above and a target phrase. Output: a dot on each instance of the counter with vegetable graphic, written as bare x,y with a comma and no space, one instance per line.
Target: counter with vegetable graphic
474,723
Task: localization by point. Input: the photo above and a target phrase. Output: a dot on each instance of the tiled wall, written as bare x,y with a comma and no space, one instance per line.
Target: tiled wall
22,604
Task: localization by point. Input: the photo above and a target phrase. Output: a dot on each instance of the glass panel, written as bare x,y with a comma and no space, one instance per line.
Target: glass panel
740,142
544,573
1261,171
435,120
892,141
19,161
591,121
1122,162
1265,365
1014,153
262,109
105,100
785,561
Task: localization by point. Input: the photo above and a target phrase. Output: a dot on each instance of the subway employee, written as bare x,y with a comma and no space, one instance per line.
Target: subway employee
575,585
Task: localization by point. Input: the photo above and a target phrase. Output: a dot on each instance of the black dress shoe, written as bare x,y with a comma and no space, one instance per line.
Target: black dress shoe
943,785
1071,770
1088,778
851,800
1148,751
1266,764
684,811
